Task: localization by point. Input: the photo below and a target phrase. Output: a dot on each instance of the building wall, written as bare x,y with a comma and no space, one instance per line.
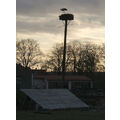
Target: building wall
74,84
57,84
80,85
39,83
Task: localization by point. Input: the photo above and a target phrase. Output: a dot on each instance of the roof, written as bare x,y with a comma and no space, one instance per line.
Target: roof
55,98
59,77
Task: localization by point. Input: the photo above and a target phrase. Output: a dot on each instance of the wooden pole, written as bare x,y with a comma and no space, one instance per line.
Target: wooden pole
64,54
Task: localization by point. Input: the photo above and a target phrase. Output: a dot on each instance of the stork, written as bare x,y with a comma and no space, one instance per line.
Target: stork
63,9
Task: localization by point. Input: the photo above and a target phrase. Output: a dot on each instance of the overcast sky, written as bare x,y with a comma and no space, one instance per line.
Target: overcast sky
39,20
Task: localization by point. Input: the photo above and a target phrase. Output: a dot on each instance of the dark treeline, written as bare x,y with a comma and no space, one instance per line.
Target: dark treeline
80,57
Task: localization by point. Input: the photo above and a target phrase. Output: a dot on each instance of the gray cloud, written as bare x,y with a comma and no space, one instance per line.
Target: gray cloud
44,7
42,15
54,26
38,25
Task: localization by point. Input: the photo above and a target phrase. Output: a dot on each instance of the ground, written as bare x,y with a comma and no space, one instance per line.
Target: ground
61,115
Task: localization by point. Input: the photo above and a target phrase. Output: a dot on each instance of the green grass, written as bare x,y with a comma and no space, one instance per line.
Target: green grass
61,115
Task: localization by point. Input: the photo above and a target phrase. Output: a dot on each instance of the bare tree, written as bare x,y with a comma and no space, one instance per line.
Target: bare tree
55,59
101,64
90,58
74,49
79,58
28,53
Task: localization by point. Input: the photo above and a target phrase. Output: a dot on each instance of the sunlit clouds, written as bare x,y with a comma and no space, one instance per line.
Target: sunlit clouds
39,20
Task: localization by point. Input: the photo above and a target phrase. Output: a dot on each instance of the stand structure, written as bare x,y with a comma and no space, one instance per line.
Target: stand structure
65,17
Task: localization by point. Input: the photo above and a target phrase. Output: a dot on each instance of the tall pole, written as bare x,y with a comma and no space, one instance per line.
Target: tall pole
64,52
65,17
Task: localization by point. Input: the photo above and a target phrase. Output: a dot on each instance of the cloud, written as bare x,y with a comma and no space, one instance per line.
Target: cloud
44,7
44,13
39,19
52,25
39,24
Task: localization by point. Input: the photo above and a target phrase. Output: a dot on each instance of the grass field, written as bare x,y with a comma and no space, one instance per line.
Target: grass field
61,115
